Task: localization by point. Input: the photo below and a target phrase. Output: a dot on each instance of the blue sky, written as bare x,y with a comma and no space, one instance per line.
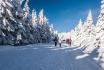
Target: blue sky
65,14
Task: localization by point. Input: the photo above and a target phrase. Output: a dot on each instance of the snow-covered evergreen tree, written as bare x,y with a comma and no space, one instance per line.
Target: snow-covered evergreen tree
17,26
78,33
88,34
26,9
34,18
6,17
85,33
42,18
100,33
18,9
28,24
43,30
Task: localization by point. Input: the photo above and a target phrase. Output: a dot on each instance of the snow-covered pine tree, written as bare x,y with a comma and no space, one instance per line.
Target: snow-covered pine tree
80,25
78,33
20,33
47,31
51,29
38,28
16,26
100,33
100,22
28,24
26,9
6,17
88,34
1,32
34,18
41,17
42,29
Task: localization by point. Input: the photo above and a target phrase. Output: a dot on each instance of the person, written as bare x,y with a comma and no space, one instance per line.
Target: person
55,41
69,41
60,41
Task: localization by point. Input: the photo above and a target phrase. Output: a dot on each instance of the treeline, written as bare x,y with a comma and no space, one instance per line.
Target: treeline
19,27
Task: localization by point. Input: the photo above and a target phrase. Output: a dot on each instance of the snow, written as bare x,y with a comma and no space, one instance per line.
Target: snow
102,1
89,37
5,21
3,4
42,18
10,5
16,18
10,14
26,9
82,56
80,24
89,18
34,18
17,23
19,37
44,57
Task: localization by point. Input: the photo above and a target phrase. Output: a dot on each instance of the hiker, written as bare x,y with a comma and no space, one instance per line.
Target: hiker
60,42
55,41
69,41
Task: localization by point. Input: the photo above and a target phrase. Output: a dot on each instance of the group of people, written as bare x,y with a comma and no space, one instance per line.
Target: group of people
57,41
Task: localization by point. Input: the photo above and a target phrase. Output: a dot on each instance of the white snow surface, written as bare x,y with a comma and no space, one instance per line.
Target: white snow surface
45,57
82,56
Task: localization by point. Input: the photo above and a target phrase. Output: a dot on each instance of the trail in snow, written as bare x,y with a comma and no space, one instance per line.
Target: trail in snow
45,57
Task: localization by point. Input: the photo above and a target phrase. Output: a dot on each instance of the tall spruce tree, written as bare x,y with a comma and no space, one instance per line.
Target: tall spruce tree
6,20
17,26
100,33
87,31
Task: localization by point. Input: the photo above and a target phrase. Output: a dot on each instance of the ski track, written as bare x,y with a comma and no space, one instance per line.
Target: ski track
45,57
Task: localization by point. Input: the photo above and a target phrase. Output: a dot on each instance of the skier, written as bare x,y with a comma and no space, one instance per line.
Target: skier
55,41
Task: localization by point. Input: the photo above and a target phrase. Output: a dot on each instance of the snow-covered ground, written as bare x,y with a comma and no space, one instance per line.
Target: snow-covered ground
45,57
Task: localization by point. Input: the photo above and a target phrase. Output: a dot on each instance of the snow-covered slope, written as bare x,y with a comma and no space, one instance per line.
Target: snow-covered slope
45,57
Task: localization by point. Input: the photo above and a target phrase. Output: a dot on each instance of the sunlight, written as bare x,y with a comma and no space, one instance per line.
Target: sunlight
60,48
81,56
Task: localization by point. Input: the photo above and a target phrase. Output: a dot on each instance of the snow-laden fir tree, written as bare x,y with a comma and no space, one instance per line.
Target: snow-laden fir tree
42,28
88,34
20,31
36,26
34,18
6,19
100,33
12,24
78,33
26,9
41,17
28,24
84,33
80,25
51,29
17,26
